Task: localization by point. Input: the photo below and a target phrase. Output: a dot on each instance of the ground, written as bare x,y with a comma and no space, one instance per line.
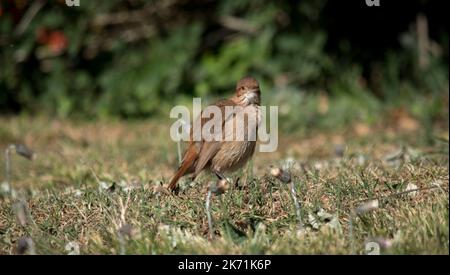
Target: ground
98,187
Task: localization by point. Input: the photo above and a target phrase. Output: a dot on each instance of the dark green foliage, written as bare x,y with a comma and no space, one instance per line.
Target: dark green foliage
133,58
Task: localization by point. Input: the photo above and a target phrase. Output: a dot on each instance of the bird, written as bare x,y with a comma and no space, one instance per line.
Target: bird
226,153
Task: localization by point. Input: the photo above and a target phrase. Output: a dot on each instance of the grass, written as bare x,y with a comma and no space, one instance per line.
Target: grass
96,186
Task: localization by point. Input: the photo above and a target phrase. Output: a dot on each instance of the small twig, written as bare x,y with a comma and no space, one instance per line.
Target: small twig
297,206
21,150
179,152
208,214
95,175
360,209
19,205
28,17
423,41
123,229
237,24
350,233
123,210
143,14
8,166
218,188
79,211
285,177
397,194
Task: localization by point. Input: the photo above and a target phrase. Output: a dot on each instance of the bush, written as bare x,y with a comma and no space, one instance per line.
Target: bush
132,58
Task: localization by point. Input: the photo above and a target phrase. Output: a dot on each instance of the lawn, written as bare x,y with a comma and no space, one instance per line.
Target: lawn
98,188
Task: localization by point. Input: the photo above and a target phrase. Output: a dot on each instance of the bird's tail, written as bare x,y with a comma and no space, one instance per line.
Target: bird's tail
185,168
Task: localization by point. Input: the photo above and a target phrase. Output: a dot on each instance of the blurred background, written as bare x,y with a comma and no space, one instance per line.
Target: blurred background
326,63
363,96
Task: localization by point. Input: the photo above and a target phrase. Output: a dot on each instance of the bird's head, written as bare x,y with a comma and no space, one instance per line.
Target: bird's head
248,92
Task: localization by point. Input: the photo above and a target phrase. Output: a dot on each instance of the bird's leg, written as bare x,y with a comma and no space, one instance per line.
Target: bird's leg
176,190
236,183
219,175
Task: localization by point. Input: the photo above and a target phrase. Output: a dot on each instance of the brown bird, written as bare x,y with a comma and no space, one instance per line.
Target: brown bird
228,153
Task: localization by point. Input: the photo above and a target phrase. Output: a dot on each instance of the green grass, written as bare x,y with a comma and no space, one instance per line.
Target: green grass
65,198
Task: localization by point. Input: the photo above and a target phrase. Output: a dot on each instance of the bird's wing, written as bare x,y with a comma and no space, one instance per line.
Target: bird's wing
210,148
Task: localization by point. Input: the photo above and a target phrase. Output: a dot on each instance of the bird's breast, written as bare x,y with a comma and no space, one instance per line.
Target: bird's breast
240,139
233,155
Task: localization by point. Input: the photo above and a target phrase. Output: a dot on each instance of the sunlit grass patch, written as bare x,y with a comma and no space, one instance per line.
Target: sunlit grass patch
96,188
